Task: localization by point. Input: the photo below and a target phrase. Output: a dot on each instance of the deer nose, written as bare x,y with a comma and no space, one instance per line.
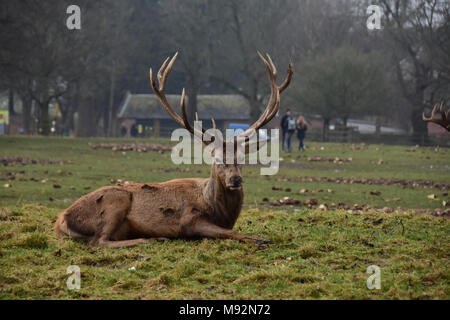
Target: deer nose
236,180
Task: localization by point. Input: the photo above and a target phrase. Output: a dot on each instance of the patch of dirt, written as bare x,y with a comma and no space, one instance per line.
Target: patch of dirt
334,160
16,161
139,147
369,181
355,209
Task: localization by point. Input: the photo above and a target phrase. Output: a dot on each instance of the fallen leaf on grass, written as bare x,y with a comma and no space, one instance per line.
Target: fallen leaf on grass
387,210
161,288
377,222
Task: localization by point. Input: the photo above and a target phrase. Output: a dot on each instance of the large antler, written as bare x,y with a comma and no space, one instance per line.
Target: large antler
271,109
444,121
163,73
274,101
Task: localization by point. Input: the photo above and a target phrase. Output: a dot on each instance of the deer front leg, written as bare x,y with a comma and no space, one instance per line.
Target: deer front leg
206,229
120,243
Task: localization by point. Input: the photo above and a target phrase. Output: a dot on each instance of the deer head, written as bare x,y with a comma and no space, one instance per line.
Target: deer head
229,171
443,121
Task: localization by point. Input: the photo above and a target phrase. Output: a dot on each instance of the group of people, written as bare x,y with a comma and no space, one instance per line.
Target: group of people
289,124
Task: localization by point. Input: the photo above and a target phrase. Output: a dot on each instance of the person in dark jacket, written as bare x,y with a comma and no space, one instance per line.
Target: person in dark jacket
288,126
302,126
283,125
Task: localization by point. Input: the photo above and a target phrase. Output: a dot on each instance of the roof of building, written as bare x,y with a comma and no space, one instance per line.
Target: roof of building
219,107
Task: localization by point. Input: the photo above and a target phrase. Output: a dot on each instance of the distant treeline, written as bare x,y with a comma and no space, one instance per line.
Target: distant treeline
342,68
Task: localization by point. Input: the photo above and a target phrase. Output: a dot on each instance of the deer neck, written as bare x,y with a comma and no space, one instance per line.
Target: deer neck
226,204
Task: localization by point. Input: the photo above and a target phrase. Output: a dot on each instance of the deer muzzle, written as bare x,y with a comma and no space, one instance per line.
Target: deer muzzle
235,183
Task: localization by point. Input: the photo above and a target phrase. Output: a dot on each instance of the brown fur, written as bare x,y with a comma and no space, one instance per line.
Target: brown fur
181,208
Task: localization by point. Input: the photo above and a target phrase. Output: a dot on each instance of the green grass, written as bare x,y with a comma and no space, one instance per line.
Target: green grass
315,255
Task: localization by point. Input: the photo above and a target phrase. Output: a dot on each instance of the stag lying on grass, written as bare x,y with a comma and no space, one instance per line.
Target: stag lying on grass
443,121
117,216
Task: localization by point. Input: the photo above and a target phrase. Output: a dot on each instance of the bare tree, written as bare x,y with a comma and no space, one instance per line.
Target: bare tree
343,83
245,28
419,34
188,27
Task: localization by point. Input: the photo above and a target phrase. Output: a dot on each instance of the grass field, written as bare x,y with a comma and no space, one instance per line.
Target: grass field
316,254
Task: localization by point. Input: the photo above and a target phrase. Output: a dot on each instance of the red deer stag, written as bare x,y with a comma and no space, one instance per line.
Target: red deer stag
444,121
118,216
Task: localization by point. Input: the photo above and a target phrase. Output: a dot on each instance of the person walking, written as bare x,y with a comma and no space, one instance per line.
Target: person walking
288,126
302,126
283,126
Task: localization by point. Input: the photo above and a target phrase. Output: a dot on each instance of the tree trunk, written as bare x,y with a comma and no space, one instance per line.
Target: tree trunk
378,126
325,128
44,118
110,114
420,127
87,126
69,124
26,115
192,92
11,103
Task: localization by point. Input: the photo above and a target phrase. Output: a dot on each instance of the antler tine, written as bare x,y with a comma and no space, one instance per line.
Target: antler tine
288,79
269,113
433,113
273,104
274,69
164,71
281,88
444,116
159,76
187,125
162,97
443,121
160,92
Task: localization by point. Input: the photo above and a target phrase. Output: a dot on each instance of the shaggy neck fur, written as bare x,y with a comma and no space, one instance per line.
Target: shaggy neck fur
225,203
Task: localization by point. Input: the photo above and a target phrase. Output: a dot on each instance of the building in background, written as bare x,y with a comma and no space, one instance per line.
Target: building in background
143,114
